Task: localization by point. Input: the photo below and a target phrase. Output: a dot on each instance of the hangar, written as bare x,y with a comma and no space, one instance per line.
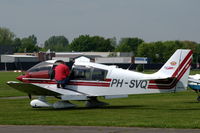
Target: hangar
18,58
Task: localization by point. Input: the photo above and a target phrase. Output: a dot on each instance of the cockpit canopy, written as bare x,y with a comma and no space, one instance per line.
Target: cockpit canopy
41,70
78,72
41,67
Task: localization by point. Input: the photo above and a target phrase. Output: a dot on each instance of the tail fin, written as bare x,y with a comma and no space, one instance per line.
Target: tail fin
177,68
178,61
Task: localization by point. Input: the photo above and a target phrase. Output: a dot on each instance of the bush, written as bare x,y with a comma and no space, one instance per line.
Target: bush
140,68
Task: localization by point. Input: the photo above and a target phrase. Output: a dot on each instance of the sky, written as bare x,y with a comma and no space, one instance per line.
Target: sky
151,20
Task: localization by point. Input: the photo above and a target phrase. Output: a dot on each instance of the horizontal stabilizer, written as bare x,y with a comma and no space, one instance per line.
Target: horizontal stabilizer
194,80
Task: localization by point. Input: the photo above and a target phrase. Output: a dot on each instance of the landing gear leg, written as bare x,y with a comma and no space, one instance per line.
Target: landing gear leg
198,97
94,102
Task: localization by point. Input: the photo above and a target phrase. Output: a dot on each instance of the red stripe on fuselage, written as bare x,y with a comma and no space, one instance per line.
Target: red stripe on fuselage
40,81
99,84
108,80
77,83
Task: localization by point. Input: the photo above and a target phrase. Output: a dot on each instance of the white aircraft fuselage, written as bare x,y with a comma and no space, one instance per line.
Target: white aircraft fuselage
89,80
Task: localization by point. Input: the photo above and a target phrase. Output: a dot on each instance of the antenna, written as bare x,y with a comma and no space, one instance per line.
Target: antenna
130,66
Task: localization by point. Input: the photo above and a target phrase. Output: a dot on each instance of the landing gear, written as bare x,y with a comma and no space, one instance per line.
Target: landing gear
94,102
41,102
63,105
198,93
198,98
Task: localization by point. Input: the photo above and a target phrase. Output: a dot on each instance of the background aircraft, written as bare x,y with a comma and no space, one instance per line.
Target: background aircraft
91,80
194,83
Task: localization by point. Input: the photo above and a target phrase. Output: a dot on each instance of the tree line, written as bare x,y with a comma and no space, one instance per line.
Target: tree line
158,51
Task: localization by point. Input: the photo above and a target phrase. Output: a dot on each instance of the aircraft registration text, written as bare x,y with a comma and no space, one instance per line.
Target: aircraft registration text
130,84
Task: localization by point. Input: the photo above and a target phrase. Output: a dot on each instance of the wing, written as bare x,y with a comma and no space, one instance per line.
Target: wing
194,84
194,80
42,91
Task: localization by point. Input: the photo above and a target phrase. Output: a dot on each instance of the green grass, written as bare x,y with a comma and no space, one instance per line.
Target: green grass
5,90
192,72
171,110
174,110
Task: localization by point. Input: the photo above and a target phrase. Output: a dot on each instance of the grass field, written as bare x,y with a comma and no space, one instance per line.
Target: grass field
5,90
172,110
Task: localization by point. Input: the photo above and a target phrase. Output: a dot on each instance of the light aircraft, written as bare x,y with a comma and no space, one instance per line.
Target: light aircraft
194,83
91,80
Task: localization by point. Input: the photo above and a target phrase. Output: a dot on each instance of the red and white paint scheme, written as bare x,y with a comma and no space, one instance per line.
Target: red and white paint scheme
91,80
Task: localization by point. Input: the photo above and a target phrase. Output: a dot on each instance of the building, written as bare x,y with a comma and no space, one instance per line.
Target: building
18,62
85,58
100,54
6,49
42,56
18,58
114,60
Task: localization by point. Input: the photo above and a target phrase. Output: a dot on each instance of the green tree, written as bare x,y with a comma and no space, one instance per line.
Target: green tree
129,45
29,44
194,47
57,43
16,44
159,52
113,41
170,48
94,43
148,50
6,36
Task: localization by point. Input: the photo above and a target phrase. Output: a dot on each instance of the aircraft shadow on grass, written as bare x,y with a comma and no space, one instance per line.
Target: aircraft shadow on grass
113,107
124,107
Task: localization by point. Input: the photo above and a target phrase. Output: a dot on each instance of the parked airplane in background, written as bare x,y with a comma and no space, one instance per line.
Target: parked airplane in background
194,83
91,80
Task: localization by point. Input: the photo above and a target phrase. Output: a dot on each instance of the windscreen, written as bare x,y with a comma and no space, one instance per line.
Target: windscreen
41,67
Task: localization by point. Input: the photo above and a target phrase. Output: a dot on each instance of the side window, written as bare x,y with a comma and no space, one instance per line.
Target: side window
99,74
81,74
